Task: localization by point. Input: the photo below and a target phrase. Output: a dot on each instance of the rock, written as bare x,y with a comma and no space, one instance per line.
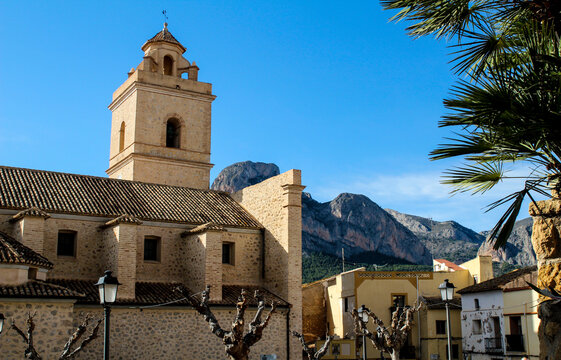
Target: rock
518,250
242,174
357,224
444,239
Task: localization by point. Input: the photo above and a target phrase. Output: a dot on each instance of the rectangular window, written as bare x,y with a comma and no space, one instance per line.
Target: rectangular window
476,327
66,244
515,325
152,248
398,300
228,253
441,327
476,304
346,304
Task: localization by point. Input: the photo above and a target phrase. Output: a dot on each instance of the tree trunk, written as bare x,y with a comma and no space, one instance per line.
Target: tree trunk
547,246
395,355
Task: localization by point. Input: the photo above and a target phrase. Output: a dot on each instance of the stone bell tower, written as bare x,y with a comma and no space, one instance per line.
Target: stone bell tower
160,129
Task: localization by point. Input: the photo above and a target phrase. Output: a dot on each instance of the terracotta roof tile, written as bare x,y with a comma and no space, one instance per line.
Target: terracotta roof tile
32,211
449,264
203,228
504,281
14,252
55,192
38,289
148,293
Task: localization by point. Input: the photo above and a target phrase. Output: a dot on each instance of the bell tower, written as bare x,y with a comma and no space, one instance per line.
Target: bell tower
161,119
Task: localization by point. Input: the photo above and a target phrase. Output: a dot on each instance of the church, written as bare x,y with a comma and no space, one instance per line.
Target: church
155,224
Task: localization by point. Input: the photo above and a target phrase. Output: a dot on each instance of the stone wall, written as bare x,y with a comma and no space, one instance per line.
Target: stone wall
178,333
53,326
547,246
277,204
314,314
247,263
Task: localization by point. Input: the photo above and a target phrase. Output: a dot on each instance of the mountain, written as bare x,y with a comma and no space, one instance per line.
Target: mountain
444,239
350,221
239,175
518,250
357,224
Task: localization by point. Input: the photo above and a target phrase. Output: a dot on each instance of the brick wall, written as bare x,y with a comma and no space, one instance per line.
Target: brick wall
276,203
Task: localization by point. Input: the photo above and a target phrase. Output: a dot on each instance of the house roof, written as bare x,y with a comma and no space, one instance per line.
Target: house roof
152,293
56,192
165,36
513,280
449,264
14,252
38,289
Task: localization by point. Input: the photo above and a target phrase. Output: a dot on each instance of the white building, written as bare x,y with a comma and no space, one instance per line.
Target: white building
499,317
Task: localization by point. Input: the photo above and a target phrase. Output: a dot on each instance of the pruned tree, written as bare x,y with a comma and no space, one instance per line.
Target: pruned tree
67,353
237,345
311,351
391,339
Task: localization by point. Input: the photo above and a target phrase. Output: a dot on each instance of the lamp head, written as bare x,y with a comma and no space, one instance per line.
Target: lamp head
107,285
446,290
2,318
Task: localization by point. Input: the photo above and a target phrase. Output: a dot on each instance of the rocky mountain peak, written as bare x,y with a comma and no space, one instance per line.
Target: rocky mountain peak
242,174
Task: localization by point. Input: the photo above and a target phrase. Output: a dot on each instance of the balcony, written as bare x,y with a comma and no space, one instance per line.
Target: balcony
515,343
494,345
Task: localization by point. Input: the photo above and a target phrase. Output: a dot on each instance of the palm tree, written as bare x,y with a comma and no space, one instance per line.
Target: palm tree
506,105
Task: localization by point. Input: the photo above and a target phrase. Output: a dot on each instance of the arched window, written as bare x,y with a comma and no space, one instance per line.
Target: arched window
168,65
172,133
122,137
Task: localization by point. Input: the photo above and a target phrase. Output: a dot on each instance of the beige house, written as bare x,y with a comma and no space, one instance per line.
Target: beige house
155,224
380,291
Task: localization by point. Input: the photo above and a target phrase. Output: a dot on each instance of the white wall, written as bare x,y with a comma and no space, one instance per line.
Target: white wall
490,305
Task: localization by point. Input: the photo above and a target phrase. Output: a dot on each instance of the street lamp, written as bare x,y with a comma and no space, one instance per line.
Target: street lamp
107,285
363,317
2,318
447,294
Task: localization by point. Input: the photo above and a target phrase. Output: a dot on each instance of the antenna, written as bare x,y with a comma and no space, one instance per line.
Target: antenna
343,256
165,13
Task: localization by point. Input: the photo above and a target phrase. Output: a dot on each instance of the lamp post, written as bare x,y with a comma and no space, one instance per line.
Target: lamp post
447,294
363,316
2,318
107,285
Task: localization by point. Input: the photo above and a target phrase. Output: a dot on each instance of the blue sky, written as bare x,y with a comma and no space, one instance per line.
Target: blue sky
328,87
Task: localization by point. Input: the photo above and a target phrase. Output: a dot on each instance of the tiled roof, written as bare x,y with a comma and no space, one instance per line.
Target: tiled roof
32,211
449,264
203,228
164,35
148,293
14,252
519,277
38,289
55,192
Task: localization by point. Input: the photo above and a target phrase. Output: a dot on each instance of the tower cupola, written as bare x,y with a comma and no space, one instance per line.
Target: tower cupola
161,122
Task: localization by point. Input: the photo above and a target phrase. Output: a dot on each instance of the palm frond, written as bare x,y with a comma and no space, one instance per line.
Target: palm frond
475,178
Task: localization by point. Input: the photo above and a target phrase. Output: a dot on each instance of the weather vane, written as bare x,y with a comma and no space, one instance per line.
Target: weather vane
165,13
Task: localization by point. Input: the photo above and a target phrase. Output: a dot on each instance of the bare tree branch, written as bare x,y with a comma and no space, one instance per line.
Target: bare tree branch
30,352
66,353
237,346
391,339
310,351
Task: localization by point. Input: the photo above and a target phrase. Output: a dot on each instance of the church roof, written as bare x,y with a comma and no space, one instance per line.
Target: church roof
14,252
38,289
152,293
56,192
164,36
